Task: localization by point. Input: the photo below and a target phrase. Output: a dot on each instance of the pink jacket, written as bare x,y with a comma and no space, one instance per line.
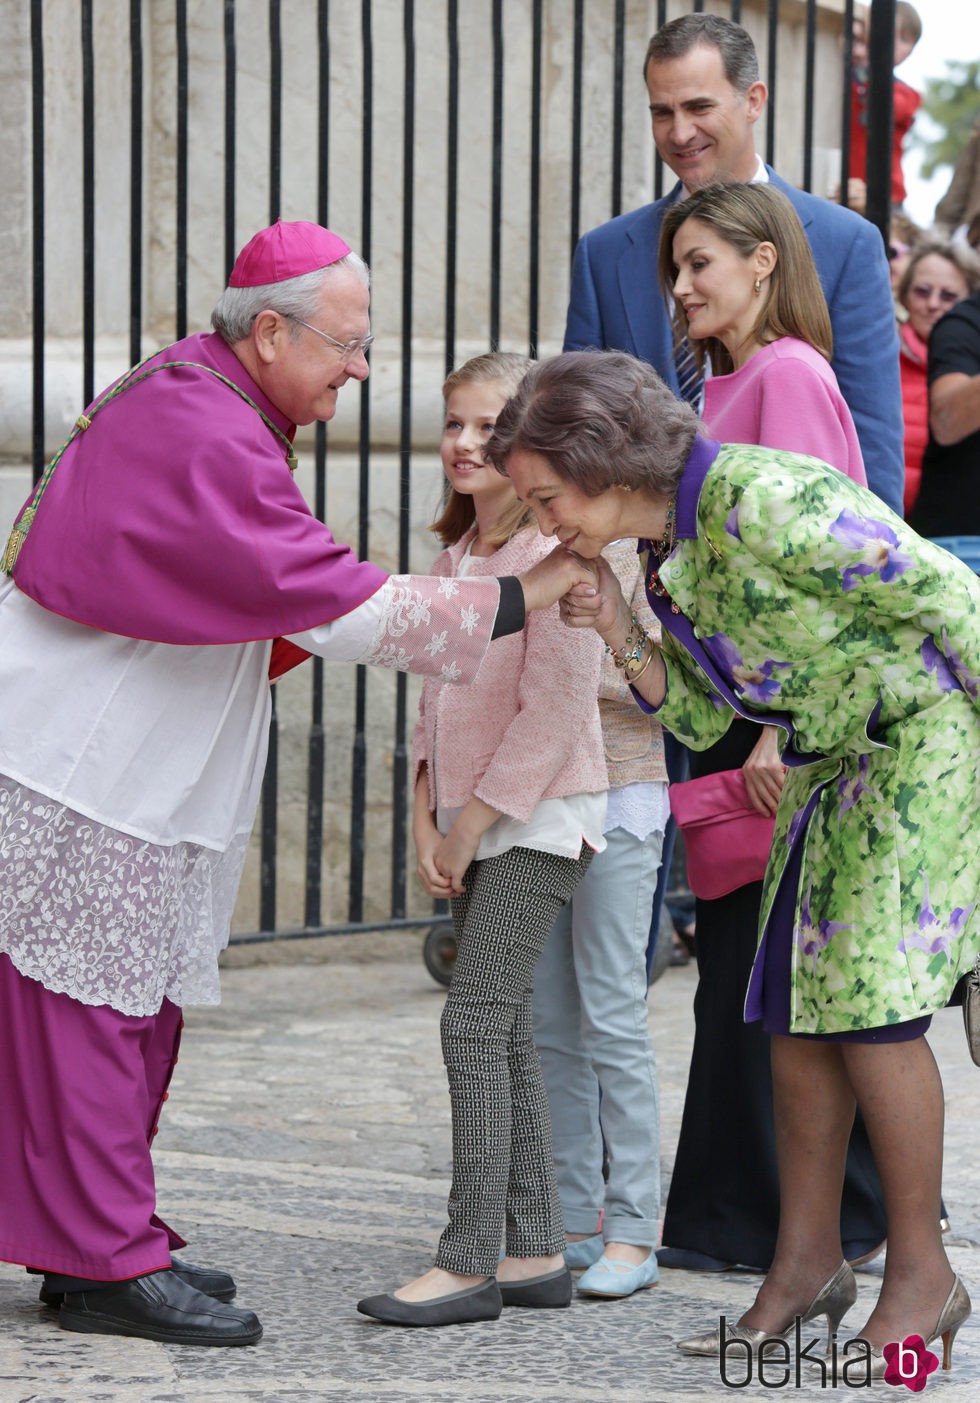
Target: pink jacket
786,397
527,728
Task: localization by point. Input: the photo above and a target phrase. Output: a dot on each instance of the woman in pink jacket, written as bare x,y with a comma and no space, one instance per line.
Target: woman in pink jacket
510,798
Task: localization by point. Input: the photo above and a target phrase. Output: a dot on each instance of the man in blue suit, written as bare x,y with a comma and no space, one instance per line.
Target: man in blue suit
702,74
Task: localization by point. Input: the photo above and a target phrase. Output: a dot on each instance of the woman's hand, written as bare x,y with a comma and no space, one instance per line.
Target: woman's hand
427,838
765,773
458,849
600,606
433,882
453,856
553,576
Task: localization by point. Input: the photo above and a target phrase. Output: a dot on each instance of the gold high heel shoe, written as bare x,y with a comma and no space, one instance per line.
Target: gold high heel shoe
834,1300
957,1309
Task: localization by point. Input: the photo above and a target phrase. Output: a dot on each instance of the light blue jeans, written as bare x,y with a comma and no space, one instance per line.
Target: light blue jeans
590,1027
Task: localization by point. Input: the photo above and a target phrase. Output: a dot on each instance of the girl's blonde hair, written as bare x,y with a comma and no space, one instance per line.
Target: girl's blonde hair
746,216
507,369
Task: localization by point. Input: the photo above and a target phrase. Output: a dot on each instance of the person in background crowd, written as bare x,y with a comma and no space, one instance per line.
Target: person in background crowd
936,277
164,568
903,235
510,795
948,503
905,102
959,209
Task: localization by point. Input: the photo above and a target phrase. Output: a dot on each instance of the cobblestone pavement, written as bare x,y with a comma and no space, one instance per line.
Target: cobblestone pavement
306,1147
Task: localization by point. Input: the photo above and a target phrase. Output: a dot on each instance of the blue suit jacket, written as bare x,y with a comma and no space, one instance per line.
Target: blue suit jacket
616,304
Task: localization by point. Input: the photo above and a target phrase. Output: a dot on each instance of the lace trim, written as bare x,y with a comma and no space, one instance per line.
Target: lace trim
107,918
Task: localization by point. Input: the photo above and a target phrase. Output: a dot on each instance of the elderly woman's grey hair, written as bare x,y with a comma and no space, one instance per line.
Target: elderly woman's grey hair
237,307
602,419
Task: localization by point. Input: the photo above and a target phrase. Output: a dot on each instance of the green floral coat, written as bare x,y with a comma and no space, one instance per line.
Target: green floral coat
816,607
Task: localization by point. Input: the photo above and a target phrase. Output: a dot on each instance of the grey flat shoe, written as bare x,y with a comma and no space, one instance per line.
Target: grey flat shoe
552,1290
480,1302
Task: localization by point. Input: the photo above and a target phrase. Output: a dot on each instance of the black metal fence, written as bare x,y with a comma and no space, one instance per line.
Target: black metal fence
216,87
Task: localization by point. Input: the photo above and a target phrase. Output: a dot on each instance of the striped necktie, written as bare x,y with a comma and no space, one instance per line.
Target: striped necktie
690,381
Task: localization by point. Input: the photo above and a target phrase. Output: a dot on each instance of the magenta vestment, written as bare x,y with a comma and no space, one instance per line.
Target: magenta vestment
141,488
81,1204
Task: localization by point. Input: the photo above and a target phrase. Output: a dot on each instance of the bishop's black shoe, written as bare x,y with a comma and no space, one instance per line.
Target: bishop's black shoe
218,1284
161,1307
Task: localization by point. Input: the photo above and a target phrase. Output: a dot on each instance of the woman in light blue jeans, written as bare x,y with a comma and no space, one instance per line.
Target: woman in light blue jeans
590,1009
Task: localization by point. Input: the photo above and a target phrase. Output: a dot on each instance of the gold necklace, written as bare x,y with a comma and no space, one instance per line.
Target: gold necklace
659,551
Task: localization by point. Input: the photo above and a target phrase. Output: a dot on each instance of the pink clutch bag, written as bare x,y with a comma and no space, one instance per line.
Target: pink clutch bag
726,840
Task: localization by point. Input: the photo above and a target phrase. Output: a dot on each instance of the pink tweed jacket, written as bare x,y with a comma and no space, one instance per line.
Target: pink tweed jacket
527,728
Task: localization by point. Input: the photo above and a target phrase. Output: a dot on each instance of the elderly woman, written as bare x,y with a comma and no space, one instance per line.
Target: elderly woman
936,277
790,595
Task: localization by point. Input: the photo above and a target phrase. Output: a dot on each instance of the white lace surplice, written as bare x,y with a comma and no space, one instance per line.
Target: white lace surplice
129,778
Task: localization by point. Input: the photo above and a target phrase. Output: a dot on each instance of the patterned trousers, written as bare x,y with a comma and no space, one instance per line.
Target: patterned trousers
503,1186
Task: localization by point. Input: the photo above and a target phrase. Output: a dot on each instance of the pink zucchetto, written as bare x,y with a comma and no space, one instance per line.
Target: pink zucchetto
287,249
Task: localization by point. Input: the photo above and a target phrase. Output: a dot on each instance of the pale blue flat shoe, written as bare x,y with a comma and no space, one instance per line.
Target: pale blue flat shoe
616,1279
584,1253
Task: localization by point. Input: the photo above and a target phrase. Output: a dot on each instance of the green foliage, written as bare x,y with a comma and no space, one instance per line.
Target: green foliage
952,104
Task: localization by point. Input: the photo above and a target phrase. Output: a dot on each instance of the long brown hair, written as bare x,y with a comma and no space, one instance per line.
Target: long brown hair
506,369
746,216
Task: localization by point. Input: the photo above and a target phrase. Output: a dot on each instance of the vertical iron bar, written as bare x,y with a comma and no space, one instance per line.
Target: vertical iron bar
452,176
534,212
359,753
88,205
881,110
808,93
270,801
316,742
135,179
575,200
736,11
400,769
772,46
619,41
37,238
270,781
180,250
658,165
846,102
275,110
496,196
230,58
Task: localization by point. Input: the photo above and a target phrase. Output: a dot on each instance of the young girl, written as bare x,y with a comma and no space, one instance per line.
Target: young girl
509,807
